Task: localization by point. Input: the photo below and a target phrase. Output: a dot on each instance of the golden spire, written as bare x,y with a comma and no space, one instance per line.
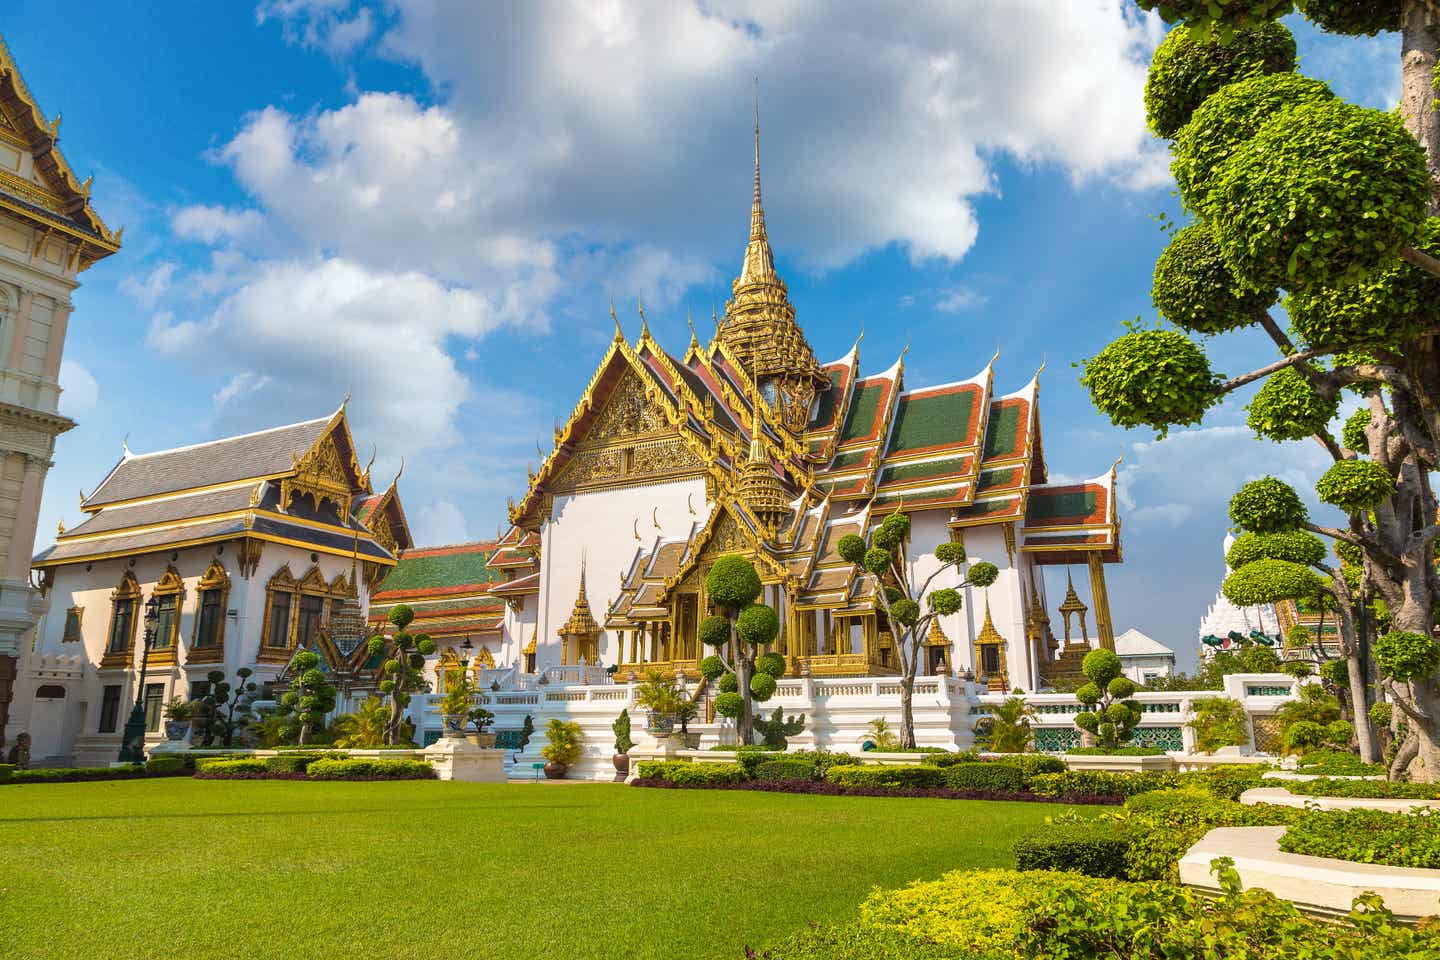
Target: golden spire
582,622
759,258
1071,607
988,633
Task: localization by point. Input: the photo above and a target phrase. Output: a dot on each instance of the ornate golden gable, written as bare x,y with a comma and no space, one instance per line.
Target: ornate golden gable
321,474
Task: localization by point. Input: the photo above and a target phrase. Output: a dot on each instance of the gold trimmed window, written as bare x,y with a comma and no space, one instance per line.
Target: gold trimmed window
312,594
73,618
208,641
170,592
124,607
279,609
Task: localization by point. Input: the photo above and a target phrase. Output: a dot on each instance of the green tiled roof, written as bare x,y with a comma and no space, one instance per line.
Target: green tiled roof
1004,428
830,399
1004,477
864,408
923,471
932,420
1062,506
449,567
851,458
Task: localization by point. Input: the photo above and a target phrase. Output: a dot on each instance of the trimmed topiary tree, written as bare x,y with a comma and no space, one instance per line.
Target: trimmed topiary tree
310,697
1294,189
1110,716
737,631
225,709
404,669
911,606
776,731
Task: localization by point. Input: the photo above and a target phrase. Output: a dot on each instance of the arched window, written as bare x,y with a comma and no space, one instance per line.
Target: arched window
208,642
310,607
279,609
170,592
124,605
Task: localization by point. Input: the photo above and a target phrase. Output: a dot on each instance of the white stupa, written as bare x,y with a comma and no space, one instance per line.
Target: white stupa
1223,616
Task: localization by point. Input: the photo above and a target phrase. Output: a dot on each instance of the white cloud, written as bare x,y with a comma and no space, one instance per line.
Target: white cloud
210,224
960,300
1162,515
148,290
438,523
322,24
247,381
79,391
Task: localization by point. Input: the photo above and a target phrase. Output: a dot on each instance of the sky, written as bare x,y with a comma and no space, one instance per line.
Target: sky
429,206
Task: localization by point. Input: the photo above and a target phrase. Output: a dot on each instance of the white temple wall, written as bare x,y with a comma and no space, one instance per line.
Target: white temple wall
601,526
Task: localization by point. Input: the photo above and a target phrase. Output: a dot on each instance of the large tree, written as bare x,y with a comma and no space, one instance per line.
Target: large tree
909,604
404,669
1301,199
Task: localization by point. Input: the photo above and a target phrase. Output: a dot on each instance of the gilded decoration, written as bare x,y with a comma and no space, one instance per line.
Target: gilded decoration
170,585
215,579
384,531
250,551
628,413
321,475
127,591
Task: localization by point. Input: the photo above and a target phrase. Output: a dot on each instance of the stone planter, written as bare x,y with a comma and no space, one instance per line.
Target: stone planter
691,740
622,766
485,740
454,725
555,771
177,729
659,724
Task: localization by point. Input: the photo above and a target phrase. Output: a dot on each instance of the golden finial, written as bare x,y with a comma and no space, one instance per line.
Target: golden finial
125,445
655,518
54,125
694,340
120,233
82,498
907,347
636,530
60,528
619,334
644,324
995,356
714,318
689,505
398,472
538,449
85,184
757,142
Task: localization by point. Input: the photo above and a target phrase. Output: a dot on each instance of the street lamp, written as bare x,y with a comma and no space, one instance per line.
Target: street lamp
466,649
132,742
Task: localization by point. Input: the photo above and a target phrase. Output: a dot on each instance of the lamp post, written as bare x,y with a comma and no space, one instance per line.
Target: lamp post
466,649
132,742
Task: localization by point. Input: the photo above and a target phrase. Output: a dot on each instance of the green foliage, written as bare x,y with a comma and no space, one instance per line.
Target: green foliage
983,573
892,532
905,612
1186,69
460,696
1010,727
946,601
1091,847
712,666
226,767
297,761
1101,666
165,764
1295,546
1405,655
1267,505
657,692
757,624
852,548
1354,17
787,769
877,561
879,775
621,729
1287,407
1161,825
401,615
1380,714
1353,434
771,663
363,728
1367,836
984,775
1270,581
1098,782
1089,694
1227,119
776,731
948,552
762,687
715,632
683,773
1219,722
1364,789
729,704
565,742
880,734
732,582
1156,378
1355,485
1323,193
1195,289
728,683
365,768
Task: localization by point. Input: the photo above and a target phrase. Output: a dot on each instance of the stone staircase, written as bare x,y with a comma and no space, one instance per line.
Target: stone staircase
1066,667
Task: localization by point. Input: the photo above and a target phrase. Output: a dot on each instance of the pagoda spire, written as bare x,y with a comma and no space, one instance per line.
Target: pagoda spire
759,264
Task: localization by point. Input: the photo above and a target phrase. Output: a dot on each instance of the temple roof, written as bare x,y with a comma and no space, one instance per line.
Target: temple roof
1065,523
440,571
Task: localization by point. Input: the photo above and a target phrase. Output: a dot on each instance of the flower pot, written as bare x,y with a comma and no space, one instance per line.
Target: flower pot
177,729
692,740
454,725
622,766
659,724
486,740
555,771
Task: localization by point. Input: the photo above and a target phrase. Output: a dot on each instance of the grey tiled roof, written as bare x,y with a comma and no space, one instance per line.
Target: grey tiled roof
139,542
161,511
221,461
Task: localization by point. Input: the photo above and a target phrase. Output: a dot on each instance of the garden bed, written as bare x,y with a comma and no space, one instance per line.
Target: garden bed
822,788
1279,796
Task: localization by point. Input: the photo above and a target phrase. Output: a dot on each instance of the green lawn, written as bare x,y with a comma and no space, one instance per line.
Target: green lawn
257,869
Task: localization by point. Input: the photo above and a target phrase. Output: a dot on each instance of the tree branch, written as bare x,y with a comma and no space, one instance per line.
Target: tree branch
1421,259
1359,372
1271,327
1234,383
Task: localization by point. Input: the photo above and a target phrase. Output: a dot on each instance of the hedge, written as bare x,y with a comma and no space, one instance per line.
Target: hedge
1369,789
950,759
1126,784
1367,836
1338,763
6,769
370,769
1160,826
786,770
1091,847
877,775
229,766
165,764
1114,752
297,762
1000,777
78,774
827,789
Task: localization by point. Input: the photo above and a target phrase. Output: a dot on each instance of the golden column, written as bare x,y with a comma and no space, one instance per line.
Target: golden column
1101,599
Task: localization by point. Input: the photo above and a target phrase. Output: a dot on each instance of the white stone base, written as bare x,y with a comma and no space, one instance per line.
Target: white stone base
462,760
1314,884
1158,762
1281,797
170,746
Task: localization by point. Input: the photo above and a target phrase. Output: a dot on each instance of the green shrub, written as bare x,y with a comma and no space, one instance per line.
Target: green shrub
1371,789
1104,782
1337,763
54,774
1114,752
165,764
1091,847
949,759
1034,764
6,769
704,774
1367,836
1229,781
1160,826
785,770
1000,777
229,766
367,768
298,761
749,758
656,769
878,775
823,760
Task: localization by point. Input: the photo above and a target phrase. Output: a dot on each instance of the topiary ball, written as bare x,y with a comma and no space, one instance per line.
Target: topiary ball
712,667
1355,485
1297,546
905,612
1270,581
1087,720
892,532
762,687
715,631
983,573
1106,732
401,615
305,660
729,704
732,582
1324,193
1406,655
950,552
946,602
1089,693
1187,68
852,548
728,683
877,561
1233,115
1267,505
1354,17
1121,688
1353,433
1195,289
1155,378
1118,714
1288,407
771,663
1101,666
757,625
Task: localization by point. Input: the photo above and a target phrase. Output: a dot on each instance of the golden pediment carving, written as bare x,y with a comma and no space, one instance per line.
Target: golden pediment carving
321,475
627,413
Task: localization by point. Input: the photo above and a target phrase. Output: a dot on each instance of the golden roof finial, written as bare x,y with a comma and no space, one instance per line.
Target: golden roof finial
644,324
757,211
694,340
398,472
988,633
619,334
60,529
125,445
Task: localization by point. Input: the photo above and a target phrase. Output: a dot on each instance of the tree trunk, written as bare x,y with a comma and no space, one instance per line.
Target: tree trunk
1418,56
907,709
745,722
1364,733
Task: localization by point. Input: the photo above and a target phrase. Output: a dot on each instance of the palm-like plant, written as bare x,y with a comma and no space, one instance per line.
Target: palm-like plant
1010,727
363,728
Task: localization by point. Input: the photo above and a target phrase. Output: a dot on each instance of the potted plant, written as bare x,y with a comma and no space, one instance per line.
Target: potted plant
177,718
623,743
658,694
480,719
564,747
455,707
685,711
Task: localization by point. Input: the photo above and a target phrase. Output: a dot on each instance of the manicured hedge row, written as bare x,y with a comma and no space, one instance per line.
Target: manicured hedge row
1367,836
1114,752
823,788
1001,913
785,770
1091,847
368,769
875,775
1370,789
1337,763
314,767
79,774
1000,777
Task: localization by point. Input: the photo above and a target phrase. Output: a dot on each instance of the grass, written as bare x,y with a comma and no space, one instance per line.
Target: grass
384,871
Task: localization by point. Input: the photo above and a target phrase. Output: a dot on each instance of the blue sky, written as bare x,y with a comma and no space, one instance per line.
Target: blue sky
431,204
